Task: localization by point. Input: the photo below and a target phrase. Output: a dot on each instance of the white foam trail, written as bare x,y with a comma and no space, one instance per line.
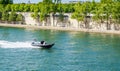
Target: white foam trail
7,44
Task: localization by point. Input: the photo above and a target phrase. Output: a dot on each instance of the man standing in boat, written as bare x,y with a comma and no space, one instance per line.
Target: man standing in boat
43,42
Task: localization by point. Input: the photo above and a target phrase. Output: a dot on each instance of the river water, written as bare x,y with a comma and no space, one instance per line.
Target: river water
73,51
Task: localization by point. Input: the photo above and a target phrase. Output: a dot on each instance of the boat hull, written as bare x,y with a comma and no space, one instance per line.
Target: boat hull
43,46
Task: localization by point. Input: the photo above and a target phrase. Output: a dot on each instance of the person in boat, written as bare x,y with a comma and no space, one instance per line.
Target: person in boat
43,42
34,41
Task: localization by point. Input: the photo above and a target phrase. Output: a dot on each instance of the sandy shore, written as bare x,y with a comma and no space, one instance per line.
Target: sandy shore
59,28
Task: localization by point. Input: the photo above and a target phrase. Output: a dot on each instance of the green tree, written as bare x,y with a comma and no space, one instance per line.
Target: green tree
47,1
116,12
78,14
107,11
1,8
5,16
19,18
35,16
26,8
15,7
36,8
12,17
99,13
5,2
8,1
0,15
43,13
8,8
21,7
57,7
45,10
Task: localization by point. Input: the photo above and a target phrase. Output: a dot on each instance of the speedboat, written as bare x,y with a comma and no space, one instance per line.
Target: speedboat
42,44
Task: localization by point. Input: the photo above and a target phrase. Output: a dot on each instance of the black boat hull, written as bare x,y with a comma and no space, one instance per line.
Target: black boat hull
43,46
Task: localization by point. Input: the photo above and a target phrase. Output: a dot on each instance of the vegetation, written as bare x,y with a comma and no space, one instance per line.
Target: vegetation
5,2
5,16
105,11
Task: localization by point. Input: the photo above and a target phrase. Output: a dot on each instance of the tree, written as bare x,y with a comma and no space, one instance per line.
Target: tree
116,12
21,7
107,8
69,8
36,8
47,1
5,2
56,8
106,11
78,14
99,13
0,15
35,16
8,1
43,13
15,7
27,8
12,17
45,10
19,18
5,16
8,8
1,8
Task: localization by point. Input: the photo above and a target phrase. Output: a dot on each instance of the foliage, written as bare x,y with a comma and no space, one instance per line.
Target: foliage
4,2
35,15
79,10
0,15
105,10
12,16
5,16
61,17
43,13
19,17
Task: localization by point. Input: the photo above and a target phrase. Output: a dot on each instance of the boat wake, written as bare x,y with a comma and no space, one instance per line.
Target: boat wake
7,44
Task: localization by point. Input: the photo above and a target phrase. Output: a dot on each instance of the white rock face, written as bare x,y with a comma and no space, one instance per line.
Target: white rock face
68,22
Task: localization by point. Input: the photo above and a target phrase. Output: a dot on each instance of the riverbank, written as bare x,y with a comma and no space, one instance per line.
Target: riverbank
59,28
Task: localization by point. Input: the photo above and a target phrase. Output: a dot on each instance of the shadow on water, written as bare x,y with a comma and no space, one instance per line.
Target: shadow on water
50,50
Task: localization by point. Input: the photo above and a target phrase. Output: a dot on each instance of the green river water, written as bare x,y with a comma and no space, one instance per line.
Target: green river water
73,51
